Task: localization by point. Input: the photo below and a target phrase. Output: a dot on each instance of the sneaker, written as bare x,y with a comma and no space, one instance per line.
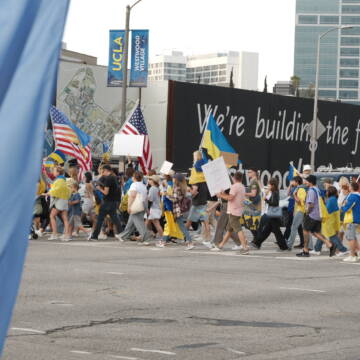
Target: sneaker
303,254
342,253
189,247
102,236
215,248
245,251
143,243
88,238
54,237
39,233
254,246
351,258
66,238
314,252
332,251
208,244
118,236
236,247
160,245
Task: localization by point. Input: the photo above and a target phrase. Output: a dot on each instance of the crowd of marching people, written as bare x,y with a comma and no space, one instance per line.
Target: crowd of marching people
174,208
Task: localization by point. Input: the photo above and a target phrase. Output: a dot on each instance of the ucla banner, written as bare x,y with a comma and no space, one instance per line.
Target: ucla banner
139,58
116,57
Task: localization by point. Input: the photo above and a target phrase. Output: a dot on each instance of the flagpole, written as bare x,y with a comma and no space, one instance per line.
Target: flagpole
122,126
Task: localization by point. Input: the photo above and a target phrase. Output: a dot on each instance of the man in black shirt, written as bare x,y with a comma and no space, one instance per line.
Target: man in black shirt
110,189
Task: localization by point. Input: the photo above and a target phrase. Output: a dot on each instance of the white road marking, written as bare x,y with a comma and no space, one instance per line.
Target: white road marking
311,258
114,273
236,352
300,289
81,352
350,263
153,351
123,357
28,330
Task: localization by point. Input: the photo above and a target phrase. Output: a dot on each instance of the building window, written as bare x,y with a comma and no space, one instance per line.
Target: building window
349,62
329,19
327,93
349,73
308,19
350,20
351,31
351,41
348,94
349,52
223,66
351,9
352,84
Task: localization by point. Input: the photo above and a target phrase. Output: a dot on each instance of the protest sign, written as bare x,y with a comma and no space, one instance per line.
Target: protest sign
216,175
166,167
128,145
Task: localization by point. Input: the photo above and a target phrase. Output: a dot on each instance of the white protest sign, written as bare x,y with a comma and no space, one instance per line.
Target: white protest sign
216,175
125,145
166,167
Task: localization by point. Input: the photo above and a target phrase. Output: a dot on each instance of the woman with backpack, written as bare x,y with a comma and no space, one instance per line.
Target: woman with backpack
181,205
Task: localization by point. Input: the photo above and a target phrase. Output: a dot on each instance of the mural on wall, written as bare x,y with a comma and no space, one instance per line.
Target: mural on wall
82,94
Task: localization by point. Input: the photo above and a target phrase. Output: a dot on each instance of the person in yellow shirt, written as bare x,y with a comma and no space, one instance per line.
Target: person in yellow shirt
299,210
59,204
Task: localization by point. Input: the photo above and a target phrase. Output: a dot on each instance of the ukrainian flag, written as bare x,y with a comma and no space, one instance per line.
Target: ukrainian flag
331,224
214,144
58,156
292,172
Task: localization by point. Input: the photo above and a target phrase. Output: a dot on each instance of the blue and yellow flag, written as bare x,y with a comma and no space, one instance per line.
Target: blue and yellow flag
214,144
292,172
30,42
58,156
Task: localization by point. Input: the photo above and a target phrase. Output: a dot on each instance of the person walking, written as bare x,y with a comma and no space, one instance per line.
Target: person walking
108,187
137,207
268,223
235,210
352,221
59,204
313,216
299,195
180,207
331,225
155,211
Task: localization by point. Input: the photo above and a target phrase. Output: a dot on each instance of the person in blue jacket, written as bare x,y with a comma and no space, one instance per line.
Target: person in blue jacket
351,209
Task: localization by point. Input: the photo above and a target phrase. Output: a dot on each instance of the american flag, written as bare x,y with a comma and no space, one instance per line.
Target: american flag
136,126
71,140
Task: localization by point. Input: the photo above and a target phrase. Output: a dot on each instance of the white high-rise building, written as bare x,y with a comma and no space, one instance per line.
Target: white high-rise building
170,66
211,69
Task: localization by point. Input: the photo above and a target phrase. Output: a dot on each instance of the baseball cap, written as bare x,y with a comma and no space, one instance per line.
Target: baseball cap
307,167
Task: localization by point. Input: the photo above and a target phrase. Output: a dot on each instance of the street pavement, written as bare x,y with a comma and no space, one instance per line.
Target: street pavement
109,300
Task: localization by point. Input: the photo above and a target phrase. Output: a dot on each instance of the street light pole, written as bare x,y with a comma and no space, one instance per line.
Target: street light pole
125,68
313,140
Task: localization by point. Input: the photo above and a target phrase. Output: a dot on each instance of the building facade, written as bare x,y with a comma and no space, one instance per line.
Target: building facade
210,69
339,49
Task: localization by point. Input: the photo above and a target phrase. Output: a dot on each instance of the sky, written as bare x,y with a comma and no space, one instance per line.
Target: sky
194,27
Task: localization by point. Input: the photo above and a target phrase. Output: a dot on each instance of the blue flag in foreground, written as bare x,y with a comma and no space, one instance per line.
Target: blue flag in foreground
30,39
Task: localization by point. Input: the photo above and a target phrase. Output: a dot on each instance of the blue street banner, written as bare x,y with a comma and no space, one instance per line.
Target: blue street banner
116,58
139,58
30,42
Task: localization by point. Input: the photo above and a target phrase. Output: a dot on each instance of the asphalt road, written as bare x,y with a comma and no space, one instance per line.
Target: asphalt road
107,300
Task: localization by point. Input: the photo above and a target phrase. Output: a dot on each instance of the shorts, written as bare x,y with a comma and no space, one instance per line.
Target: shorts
198,213
155,214
234,224
312,225
75,221
88,207
350,232
59,204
